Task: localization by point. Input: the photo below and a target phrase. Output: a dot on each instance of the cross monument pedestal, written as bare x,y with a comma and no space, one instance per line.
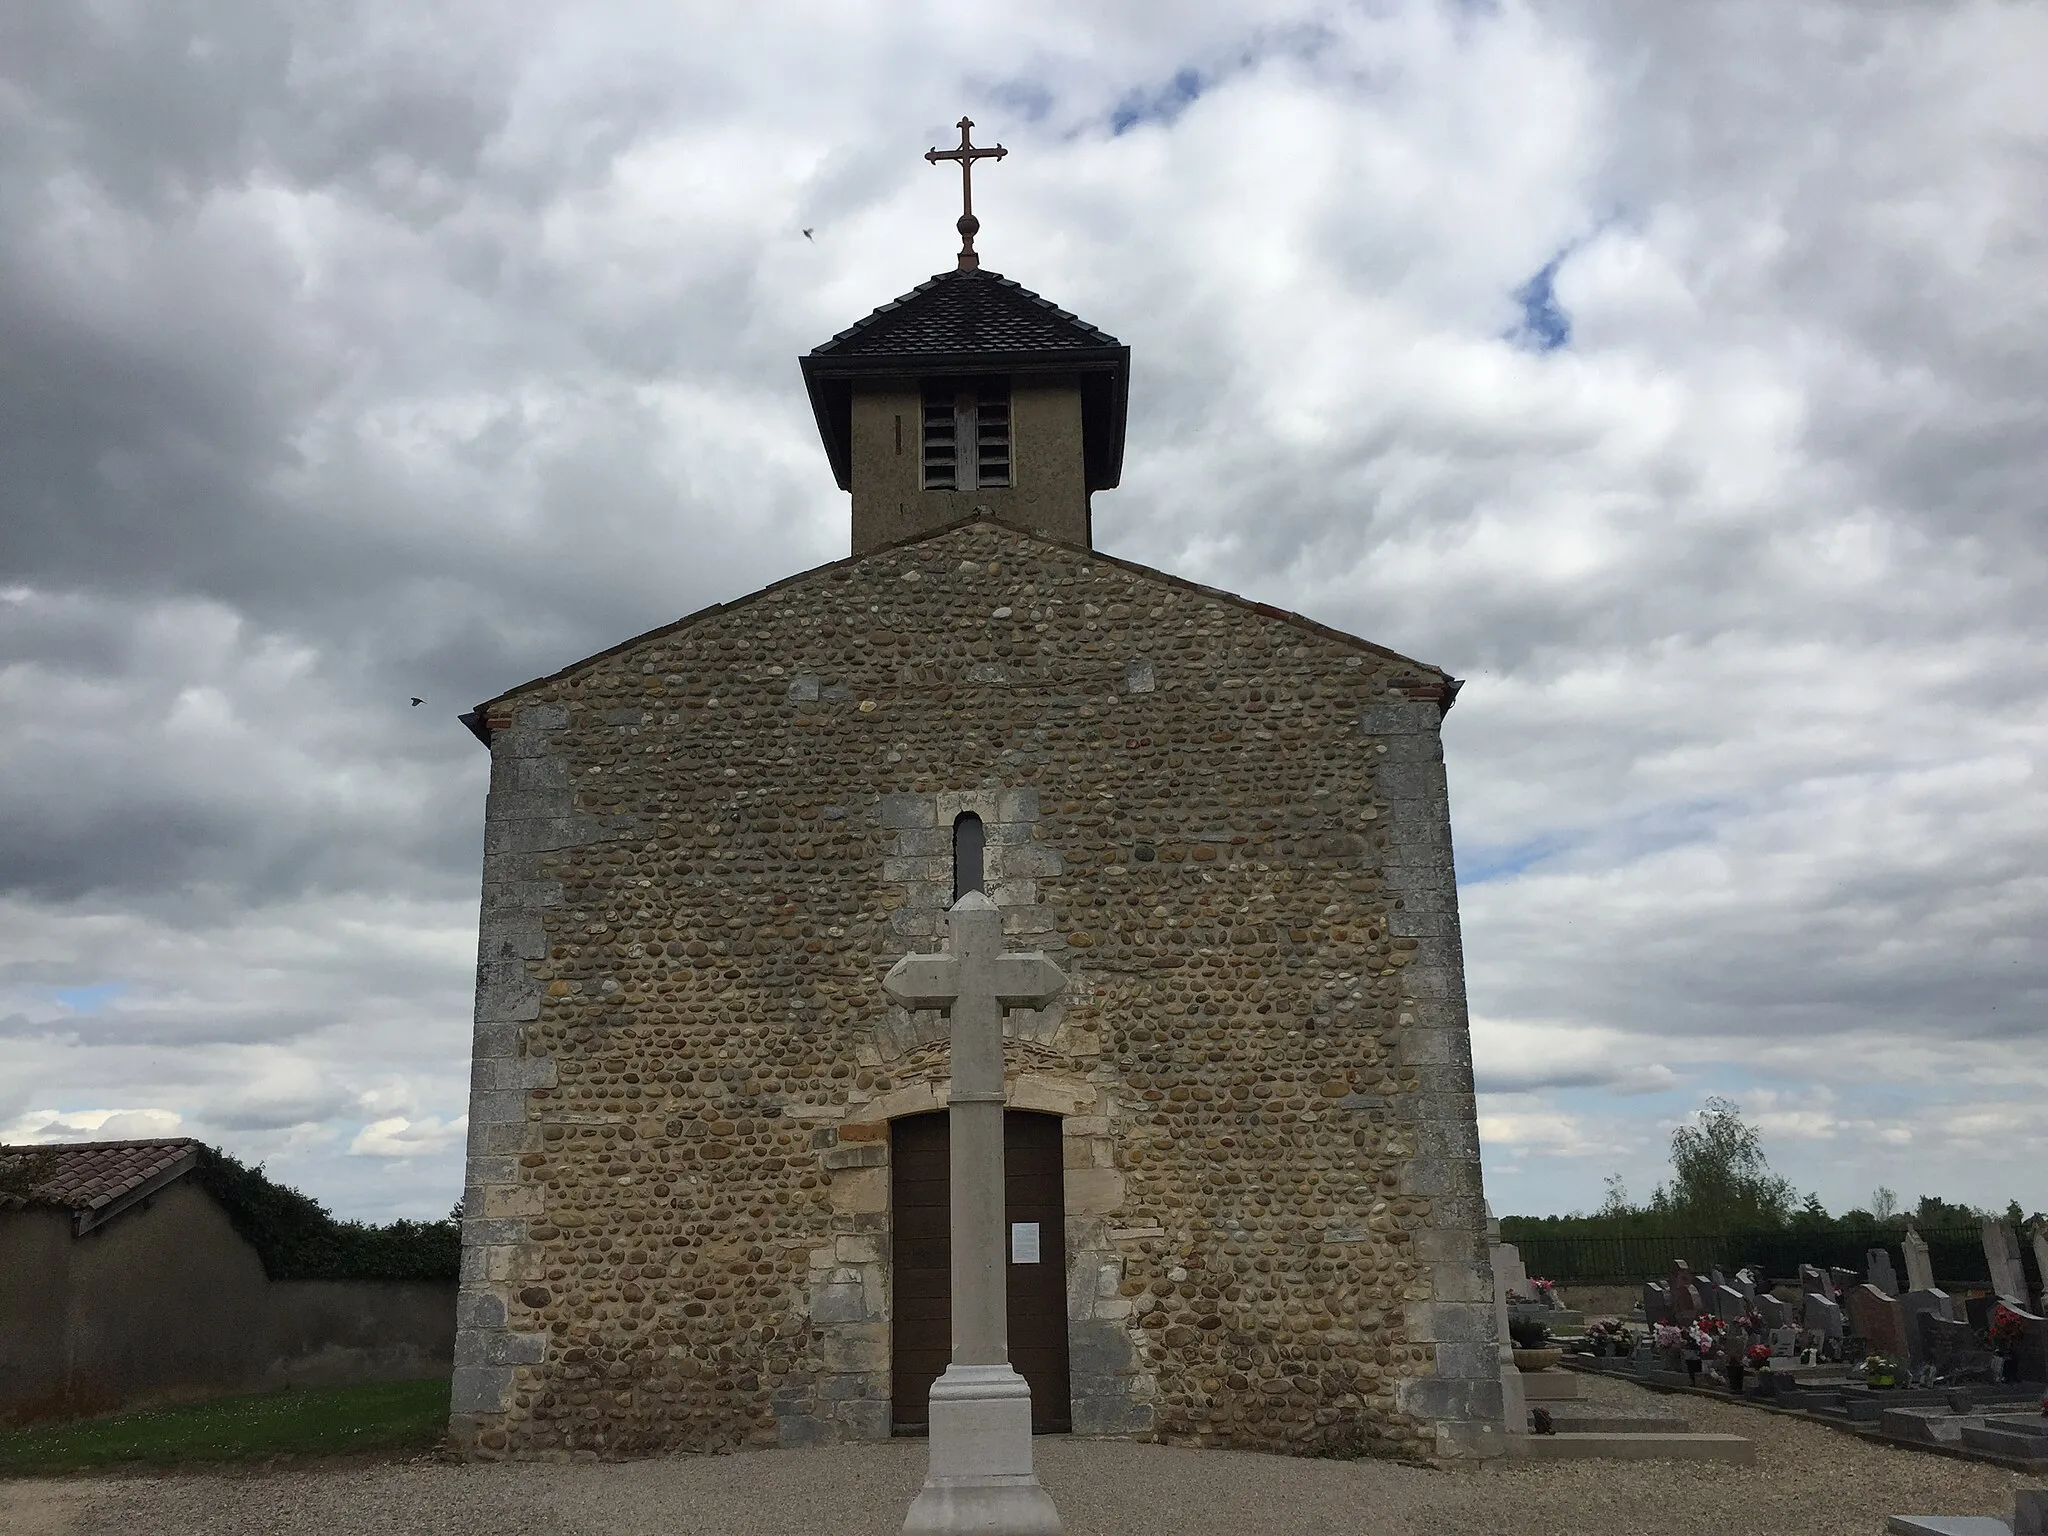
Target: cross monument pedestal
981,1479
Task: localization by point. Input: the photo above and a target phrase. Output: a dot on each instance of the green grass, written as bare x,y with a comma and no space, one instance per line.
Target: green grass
388,1416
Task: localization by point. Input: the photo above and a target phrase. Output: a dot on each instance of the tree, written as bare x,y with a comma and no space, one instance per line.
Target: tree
1616,1202
1720,1179
1884,1203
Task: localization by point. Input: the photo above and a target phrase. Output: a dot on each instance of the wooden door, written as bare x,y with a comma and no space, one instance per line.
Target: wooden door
920,1188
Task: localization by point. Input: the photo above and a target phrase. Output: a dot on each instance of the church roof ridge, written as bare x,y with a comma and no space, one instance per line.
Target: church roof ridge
945,322
1444,692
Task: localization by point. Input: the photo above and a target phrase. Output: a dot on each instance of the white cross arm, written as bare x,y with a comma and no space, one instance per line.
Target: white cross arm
1028,980
923,981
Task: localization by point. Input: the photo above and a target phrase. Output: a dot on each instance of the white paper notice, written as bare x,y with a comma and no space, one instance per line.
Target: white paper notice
1023,1242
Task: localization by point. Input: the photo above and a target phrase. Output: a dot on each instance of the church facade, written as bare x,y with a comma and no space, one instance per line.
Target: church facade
706,1188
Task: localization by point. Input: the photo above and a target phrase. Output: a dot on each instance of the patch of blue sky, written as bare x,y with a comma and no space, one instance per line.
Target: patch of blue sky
1655,829
1030,99
1544,326
1160,106
90,998
1503,862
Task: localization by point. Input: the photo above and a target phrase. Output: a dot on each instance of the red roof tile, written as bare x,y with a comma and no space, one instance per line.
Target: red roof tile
91,1175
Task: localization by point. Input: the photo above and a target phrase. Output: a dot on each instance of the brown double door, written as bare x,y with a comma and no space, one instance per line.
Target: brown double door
921,1255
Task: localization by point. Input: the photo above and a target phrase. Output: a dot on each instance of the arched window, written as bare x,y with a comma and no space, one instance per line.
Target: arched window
967,845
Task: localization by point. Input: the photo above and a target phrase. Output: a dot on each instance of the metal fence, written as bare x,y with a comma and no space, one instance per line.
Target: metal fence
1957,1254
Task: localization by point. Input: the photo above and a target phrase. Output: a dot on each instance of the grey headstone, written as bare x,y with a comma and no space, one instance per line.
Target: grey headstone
1773,1311
1685,1297
1823,1316
1729,1303
1877,1270
1953,1351
2002,1254
1912,1307
1656,1303
1746,1282
2033,1347
1784,1342
1815,1282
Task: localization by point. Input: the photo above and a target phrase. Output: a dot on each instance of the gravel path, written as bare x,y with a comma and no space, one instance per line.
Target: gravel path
1809,1481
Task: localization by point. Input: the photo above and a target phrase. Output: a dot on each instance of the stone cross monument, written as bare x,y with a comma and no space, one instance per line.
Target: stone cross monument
981,1478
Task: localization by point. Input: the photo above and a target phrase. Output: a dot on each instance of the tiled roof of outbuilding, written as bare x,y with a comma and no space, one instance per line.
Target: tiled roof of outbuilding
90,1176
971,311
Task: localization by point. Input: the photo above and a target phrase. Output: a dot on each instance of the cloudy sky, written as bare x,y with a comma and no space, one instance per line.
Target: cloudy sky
1674,374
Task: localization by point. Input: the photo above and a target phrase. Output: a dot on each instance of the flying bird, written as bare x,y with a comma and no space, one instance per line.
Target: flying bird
416,703
807,235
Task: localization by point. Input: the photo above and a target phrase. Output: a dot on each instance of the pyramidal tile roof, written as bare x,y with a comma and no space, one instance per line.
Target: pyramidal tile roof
94,1178
966,311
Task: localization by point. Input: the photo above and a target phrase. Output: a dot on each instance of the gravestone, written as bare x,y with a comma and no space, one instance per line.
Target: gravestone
1685,1296
1773,1311
1919,1266
2033,1346
1784,1342
1656,1303
1823,1316
1729,1303
1878,1271
981,1476
2040,1237
1877,1319
1746,1282
2002,1254
1912,1307
1815,1282
1509,1269
1954,1352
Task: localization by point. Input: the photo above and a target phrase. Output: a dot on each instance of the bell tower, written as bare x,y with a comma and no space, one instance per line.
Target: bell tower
970,394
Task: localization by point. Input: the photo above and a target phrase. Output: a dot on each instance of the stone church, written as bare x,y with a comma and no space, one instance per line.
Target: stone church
707,1180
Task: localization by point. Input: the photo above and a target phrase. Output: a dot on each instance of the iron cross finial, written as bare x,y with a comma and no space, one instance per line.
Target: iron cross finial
966,154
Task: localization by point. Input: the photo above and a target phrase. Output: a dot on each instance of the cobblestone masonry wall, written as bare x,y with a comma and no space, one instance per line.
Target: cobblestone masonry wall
704,849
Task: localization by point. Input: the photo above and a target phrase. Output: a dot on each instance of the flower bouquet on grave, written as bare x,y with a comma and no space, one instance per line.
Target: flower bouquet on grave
1668,1339
2005,1334
2006,1330
1880,1371
1545,1291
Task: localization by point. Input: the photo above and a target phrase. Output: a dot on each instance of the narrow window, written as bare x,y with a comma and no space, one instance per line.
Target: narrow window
941,443
992,433
967,843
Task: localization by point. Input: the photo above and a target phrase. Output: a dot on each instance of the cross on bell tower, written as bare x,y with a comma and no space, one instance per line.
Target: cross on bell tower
966,154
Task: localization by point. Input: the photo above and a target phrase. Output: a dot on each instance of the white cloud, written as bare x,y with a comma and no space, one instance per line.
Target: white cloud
400,1137
53,1125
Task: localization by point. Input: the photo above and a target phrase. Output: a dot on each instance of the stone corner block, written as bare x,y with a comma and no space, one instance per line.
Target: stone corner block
480,1389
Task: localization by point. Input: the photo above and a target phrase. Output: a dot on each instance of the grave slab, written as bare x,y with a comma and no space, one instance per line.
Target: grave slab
1946,1525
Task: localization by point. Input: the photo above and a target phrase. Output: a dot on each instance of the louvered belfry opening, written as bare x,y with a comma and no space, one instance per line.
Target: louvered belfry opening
992,433
966,434
941,438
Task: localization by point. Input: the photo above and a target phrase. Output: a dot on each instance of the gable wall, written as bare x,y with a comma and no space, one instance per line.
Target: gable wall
703,852
1049,493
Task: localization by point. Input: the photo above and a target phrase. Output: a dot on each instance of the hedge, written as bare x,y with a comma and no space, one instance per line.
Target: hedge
297,1238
